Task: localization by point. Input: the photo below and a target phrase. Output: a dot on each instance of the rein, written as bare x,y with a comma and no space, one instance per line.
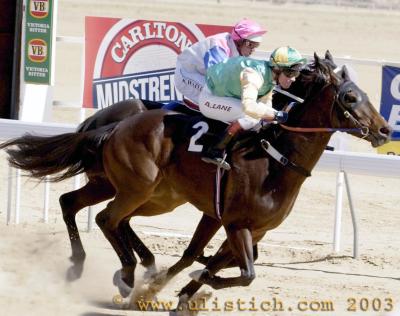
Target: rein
362,130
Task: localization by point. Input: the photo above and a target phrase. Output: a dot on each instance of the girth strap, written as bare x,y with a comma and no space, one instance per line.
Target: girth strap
282,159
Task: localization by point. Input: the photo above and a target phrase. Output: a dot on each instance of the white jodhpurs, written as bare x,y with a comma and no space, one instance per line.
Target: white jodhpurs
226,109
189,84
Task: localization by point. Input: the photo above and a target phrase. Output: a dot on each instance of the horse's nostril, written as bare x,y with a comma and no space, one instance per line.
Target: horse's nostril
385,131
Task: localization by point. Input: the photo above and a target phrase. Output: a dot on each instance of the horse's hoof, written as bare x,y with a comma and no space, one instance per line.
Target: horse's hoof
124,289
118,300
74,273
150,272
182,308
196,275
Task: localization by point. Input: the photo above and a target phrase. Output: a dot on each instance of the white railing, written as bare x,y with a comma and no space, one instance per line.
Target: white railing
356,163
361,163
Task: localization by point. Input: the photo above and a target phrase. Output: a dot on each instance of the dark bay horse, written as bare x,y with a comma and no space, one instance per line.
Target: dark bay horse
99,188
148,167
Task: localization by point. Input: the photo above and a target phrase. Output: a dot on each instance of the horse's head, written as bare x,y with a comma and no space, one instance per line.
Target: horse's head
334,101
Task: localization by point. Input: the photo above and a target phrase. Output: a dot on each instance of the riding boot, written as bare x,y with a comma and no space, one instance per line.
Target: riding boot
215,154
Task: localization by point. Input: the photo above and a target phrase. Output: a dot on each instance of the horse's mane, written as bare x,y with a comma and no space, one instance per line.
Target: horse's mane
312,78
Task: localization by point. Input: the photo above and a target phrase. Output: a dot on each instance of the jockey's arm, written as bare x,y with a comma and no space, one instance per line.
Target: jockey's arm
251,81
217,50
214,55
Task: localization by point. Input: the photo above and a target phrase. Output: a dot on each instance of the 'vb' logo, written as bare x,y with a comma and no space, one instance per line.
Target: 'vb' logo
37,50
39,8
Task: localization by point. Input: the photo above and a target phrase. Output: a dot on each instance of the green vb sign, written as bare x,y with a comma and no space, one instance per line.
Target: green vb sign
38,41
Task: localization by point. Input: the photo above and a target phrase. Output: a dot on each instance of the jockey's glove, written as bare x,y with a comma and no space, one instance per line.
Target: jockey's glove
281,116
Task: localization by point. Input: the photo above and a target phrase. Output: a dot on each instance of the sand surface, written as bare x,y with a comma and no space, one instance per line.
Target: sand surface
296,262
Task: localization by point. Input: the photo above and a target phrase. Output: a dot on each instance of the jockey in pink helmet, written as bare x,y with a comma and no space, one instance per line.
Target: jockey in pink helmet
193,62
247,30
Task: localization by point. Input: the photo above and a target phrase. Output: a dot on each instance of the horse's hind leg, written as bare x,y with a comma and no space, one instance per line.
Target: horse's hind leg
118,210
163,200
71,203
145,255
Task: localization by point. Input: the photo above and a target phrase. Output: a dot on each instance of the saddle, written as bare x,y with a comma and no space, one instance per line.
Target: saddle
201,132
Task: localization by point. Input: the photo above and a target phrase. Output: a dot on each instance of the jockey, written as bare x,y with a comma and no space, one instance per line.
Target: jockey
239,91
193,62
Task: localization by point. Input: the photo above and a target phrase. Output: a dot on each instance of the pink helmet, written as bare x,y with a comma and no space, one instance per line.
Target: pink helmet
247,29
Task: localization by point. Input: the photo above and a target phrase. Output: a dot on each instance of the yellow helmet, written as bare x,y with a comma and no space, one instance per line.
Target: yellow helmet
286,57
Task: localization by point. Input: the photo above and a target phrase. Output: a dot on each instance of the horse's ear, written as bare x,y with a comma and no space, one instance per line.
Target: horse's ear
316,59
345,73
328,56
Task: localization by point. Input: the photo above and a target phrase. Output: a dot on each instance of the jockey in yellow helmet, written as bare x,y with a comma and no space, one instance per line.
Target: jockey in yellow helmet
239,91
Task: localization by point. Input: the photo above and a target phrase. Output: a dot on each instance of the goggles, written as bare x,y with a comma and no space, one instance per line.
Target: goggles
248,43
291,73
251,44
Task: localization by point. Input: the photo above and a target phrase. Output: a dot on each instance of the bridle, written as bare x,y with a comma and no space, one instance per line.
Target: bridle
340,100
341,90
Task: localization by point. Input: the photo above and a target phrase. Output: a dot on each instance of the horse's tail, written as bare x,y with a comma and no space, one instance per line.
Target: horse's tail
69,153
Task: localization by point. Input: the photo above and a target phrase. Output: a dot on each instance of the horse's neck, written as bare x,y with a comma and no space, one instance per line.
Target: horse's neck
305,149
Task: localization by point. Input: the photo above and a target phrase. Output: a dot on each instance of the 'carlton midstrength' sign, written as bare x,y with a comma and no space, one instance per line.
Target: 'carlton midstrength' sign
128,58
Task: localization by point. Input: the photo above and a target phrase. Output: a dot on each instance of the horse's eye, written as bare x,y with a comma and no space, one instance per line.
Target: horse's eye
350,97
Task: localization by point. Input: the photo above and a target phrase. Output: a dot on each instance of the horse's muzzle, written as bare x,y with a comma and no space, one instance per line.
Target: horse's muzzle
382,136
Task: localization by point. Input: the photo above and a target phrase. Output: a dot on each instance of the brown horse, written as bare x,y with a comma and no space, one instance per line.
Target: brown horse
148,166
99,189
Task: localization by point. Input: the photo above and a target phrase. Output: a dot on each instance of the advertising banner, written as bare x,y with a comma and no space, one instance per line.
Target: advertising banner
390,107
38,41
127,58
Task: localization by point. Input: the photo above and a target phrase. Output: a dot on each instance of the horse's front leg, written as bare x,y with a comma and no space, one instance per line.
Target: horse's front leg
241,245
204,260
217,262
205,230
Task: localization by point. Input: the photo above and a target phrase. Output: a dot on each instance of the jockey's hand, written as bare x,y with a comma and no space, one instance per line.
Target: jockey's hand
281,116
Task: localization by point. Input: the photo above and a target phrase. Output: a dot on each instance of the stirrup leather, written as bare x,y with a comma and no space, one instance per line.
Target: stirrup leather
220,162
